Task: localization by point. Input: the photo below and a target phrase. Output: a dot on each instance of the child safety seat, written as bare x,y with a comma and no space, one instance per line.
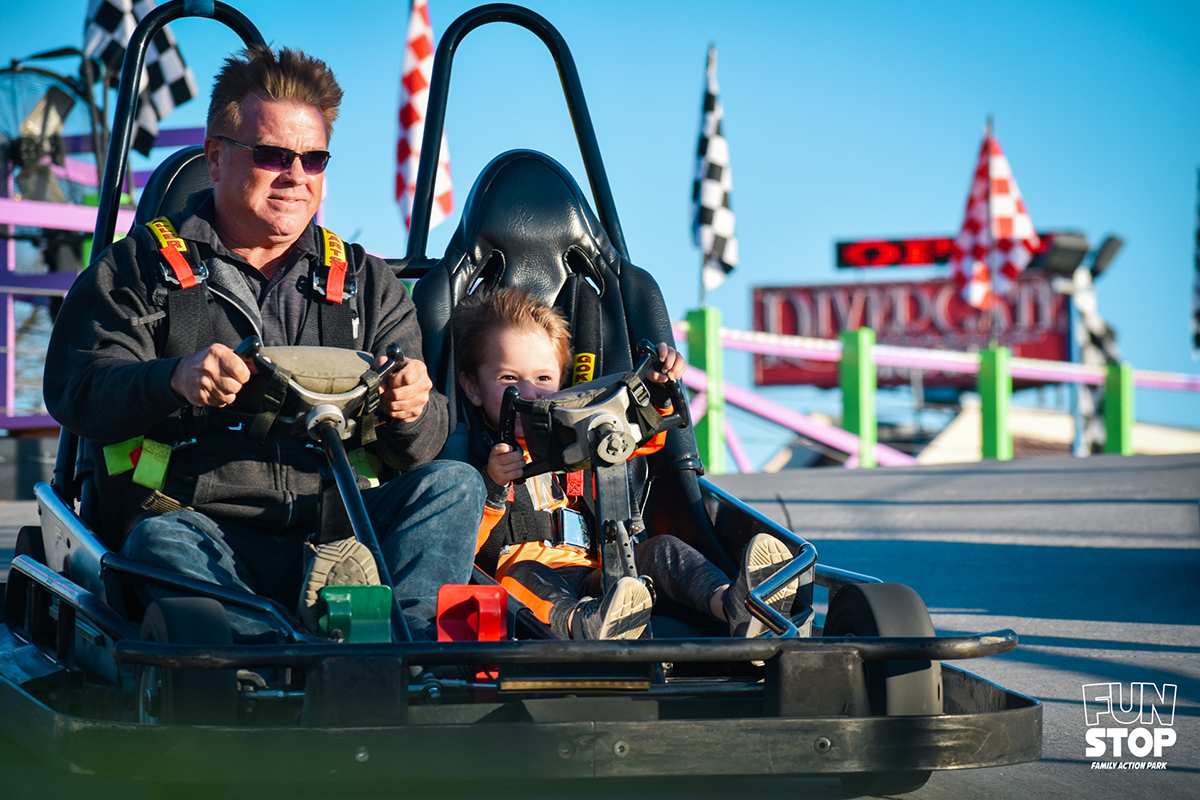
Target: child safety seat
527,225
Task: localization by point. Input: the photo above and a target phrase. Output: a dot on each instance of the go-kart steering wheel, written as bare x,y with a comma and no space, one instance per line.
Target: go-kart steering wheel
604,420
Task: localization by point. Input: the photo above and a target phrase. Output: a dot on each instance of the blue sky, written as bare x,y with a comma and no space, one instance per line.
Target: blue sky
844,120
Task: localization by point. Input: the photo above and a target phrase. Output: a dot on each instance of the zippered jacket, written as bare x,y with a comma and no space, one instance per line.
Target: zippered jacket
107,376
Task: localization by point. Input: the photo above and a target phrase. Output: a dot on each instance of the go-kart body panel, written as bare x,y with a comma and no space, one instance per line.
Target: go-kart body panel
66,698
622,735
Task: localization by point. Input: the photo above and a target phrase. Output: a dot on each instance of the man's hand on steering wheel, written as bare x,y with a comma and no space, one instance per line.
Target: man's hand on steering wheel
405,392
212,377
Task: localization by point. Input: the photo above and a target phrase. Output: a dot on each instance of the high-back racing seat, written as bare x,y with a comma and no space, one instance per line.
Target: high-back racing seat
527,225
166,192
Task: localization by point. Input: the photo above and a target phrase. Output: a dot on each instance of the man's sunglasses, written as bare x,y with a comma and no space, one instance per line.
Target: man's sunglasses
279,159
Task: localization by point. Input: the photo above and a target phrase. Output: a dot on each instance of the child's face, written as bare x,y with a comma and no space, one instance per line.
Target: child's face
526,359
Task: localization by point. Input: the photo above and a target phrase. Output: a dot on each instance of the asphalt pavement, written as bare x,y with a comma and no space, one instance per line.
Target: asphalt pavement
1094,562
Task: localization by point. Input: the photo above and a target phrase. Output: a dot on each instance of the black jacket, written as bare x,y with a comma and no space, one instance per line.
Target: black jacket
107,379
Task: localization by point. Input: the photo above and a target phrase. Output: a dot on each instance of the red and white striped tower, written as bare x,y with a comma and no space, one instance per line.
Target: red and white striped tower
997,239
414,99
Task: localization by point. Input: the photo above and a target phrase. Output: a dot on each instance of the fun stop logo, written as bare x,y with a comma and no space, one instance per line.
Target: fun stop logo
1135,720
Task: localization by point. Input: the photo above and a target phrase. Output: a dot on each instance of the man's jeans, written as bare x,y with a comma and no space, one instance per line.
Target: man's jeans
426,521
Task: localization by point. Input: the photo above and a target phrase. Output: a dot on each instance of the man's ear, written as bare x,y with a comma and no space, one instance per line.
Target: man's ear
212,157
470,388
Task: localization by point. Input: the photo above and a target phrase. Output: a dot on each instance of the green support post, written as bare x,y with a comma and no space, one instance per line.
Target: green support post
704,352
1118,409
995,394
93,199
856,373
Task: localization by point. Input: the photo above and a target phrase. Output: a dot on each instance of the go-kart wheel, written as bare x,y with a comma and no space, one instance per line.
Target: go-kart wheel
894,688
29,543
186,696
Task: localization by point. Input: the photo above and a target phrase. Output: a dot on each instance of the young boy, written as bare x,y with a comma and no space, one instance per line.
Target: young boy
507,338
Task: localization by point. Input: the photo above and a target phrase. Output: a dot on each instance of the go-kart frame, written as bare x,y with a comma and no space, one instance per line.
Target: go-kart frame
83,689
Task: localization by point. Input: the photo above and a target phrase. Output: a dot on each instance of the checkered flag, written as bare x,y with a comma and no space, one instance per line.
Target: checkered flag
414,99
712,215
166,81
1097,343
997,239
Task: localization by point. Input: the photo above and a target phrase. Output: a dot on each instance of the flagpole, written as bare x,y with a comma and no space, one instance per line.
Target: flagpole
709,68
1196,287
994,327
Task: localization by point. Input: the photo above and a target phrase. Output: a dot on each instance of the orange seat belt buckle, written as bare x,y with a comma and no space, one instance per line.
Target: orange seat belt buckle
336,282
334,259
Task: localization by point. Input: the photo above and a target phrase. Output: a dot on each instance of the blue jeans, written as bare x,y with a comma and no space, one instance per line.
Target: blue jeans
426,521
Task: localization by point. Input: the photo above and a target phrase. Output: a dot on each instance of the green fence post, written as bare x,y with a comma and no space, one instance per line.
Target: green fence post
1118,409
995,394
93,200
856,373
704,352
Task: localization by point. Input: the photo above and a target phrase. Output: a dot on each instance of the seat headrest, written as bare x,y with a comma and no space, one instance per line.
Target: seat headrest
180,175
526,223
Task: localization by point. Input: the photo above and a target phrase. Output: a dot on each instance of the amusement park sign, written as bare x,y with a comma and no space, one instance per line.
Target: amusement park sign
1033,321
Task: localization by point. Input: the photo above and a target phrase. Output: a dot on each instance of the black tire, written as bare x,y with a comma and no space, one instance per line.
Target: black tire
894,688
29,543
884,784
187,696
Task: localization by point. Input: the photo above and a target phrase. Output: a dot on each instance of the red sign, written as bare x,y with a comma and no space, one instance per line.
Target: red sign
1034,322
920,252
894,253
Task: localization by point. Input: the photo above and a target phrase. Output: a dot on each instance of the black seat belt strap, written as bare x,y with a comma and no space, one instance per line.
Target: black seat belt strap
330,321
189,326
272,401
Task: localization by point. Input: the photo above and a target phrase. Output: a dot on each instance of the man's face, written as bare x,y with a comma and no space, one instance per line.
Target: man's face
261,208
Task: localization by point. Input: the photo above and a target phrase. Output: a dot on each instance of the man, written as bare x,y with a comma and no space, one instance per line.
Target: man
141,362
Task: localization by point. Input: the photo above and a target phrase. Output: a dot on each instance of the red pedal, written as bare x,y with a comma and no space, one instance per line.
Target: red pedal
468,613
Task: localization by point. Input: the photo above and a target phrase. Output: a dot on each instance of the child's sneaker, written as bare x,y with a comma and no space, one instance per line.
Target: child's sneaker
346,562
762,558
622,613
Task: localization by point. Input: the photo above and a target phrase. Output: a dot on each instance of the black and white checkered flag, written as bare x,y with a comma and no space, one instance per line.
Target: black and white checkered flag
1097,342
712,220
166,81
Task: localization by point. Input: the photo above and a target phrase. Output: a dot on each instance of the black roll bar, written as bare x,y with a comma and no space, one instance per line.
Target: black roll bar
127,93
435,118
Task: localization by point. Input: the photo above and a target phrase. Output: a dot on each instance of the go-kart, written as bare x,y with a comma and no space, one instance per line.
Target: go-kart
92,679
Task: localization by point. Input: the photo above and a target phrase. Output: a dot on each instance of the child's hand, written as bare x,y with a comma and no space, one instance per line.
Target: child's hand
672,363
505,464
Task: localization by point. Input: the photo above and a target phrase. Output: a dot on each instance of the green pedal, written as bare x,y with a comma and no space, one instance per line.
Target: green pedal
361,613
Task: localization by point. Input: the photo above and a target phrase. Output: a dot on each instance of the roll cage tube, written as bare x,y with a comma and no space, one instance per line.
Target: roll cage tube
127,92
435,118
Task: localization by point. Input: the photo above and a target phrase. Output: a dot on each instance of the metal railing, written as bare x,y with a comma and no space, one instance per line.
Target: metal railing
858,357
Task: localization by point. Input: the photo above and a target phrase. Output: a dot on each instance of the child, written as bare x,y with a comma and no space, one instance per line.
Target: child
507,338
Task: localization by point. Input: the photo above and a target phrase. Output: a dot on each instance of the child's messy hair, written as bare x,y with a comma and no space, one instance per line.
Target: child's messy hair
481,316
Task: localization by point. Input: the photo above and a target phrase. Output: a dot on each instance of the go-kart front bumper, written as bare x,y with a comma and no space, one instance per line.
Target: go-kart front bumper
794,721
